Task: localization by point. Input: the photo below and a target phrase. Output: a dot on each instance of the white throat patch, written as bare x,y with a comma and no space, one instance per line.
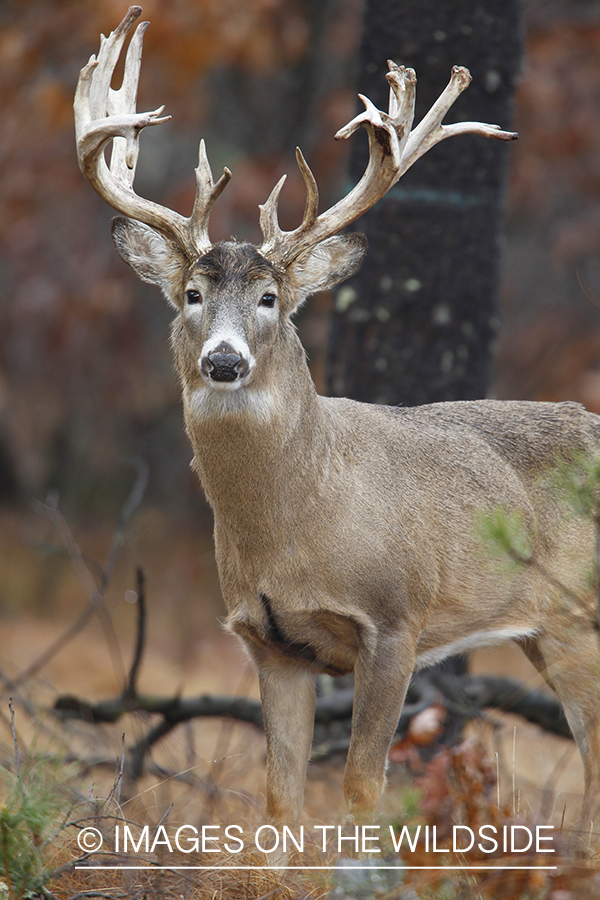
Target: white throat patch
207,403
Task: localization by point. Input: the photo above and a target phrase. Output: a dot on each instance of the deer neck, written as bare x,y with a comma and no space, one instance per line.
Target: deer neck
257,450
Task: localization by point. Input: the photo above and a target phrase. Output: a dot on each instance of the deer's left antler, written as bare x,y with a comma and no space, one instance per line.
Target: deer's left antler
393,148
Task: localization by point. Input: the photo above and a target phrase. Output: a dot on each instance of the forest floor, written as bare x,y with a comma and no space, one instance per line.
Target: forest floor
210,772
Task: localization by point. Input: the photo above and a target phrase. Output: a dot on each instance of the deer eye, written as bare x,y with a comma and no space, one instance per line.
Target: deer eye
268,300
193,297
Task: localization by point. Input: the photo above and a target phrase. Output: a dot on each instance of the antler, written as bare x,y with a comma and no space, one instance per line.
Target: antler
103,114
393,148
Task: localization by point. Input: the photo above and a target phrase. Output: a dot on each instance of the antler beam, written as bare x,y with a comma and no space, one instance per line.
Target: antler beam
393,148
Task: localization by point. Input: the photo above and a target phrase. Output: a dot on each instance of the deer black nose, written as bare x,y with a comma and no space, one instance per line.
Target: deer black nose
225,366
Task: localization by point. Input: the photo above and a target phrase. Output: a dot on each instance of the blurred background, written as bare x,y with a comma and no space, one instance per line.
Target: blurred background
86,383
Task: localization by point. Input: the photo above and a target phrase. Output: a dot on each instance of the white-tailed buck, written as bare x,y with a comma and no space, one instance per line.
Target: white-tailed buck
346,534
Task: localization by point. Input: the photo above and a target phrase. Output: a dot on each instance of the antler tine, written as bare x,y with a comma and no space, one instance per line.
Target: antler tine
269,224
103,114
124,156
401,107
312,192
273,235
206,194
108,56
388,130
393,148
430,130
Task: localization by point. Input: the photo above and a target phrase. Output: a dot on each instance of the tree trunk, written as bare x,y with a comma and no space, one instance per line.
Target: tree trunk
417,323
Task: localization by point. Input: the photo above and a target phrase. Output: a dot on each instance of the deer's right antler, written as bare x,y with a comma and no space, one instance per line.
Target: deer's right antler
103,114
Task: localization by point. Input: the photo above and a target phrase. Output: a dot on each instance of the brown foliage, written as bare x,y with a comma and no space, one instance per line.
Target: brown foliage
550,345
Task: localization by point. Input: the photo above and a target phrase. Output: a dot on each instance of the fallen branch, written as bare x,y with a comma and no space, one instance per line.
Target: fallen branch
539,707
479,692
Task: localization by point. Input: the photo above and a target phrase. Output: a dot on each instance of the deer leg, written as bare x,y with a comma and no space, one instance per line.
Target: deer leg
287,693
572,669
381,676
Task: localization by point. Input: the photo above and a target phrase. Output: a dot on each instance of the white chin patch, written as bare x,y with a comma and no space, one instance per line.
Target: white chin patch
226,386
205,403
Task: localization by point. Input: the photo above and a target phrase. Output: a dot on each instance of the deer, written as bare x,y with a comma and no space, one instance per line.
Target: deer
346,533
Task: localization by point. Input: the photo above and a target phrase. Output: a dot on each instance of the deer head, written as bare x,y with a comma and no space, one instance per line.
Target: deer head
235,300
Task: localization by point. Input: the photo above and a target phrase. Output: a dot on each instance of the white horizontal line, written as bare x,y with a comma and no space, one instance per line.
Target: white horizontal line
336,868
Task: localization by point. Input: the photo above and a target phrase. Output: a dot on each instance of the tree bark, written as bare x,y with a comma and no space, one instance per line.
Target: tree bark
417,323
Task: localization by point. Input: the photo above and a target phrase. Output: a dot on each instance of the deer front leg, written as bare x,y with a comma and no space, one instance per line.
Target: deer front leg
287,692
382,674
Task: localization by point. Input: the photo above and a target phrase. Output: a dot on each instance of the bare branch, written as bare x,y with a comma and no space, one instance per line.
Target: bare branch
130,690
95,595
128,509
173,709
466,695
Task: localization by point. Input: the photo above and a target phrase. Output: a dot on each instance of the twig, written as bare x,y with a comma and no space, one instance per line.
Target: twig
121,770
139,749
550,578
14,737
130,690
165,816
95,596
127,510
84,895
118,778
54,648
549,789
48,893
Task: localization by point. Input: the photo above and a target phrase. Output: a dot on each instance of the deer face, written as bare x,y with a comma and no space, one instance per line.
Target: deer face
231,309
234,304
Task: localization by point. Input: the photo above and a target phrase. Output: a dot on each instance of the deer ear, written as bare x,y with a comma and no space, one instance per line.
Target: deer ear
153,257
327,264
